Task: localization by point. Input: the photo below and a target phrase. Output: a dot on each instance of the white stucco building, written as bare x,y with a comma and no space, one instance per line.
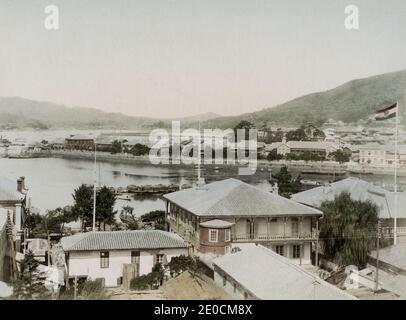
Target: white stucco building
381,156
94,255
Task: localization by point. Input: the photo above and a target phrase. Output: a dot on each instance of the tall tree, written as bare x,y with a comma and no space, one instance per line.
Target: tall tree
83,206
348,229
105,200
245,125
30,281
287,185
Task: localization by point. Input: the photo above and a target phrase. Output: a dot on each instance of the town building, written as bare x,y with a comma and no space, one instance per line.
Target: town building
104,255
381,156
390,204
79,142
256,272
320,148
13,198
217,216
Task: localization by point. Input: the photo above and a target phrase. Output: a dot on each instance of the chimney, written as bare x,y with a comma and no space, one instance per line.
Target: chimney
19,185
23,182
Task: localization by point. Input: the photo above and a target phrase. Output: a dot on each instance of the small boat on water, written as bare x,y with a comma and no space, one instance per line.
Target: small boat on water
125,197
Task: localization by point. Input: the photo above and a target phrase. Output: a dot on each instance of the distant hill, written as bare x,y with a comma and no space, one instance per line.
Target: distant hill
19,113
350,102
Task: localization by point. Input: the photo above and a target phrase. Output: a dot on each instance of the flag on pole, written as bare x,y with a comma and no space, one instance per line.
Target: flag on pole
386,113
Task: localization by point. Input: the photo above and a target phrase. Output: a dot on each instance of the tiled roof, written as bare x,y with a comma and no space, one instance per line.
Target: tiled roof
311,145
122,240
270,276
358,190
232,197
393,255
8,190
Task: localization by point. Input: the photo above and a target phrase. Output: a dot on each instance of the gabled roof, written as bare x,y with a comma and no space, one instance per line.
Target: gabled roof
270,276
358,190
232,197
122,240
8,190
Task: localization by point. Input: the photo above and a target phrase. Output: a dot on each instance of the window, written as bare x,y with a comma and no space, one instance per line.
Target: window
227,235
295,227
234,287
160,258
224,281
104,259
213,235
296,251
279,250
135,257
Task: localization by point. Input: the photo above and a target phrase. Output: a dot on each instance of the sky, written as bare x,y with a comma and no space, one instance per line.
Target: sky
175,58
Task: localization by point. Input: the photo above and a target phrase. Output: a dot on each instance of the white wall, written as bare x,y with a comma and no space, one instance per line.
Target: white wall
87,263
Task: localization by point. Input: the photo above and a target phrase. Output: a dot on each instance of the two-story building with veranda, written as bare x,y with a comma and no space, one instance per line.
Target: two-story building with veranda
104,255
215,217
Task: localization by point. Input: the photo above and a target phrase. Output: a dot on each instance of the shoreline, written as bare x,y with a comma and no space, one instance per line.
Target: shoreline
323,167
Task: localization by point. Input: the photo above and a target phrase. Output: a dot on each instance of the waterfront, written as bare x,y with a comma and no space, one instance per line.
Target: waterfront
51,181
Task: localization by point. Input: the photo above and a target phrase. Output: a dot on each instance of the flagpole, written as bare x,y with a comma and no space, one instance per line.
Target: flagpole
395,176
94,188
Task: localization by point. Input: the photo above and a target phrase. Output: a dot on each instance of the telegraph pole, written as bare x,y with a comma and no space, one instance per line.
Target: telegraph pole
377,256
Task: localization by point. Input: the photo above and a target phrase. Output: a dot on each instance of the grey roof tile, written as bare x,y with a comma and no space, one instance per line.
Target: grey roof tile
270,276
359,190
232,197
122,240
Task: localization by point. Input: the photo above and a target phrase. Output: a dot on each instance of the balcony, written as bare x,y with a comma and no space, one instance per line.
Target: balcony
310,236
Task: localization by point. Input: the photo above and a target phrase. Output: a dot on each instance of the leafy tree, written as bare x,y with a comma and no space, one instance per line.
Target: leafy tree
348,229
274,136
83,207
139,149
116,147
340,156
30,282
297,135
246,125
181,263
52,222
287,185
273,155
150,280
156,218
105,200
129,219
